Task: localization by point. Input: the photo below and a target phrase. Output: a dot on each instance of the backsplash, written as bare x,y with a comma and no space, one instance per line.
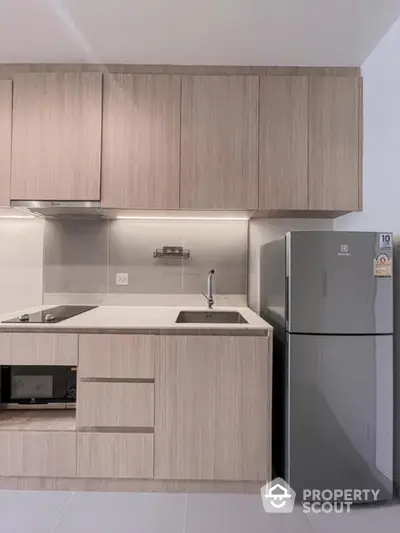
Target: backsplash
82,257
262,231
21,260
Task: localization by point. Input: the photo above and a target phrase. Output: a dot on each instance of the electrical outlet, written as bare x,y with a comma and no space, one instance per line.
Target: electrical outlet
121,279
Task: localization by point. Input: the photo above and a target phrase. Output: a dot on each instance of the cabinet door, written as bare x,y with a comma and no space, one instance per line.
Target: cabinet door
141,141
5,140
219,146
334,162
283,143
118,356
125,405
213,409
38,453
55,349
56,136
115,455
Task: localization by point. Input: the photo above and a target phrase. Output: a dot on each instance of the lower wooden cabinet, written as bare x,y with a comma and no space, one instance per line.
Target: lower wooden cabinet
213,409
38,453
115,405
115,455
118,356
38,349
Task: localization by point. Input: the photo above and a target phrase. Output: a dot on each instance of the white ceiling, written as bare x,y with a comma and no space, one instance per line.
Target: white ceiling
213,32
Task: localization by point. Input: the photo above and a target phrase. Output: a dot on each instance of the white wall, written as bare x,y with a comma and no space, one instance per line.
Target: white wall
264,230
381,170
21,263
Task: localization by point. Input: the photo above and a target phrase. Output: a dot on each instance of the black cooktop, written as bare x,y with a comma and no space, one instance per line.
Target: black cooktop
53,315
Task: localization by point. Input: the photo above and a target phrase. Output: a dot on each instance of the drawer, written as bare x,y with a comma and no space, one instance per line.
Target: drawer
118,356
115,455
115,405
38,453
38,349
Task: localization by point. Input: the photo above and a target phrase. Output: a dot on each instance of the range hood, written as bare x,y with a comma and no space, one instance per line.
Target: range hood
55,209
92,210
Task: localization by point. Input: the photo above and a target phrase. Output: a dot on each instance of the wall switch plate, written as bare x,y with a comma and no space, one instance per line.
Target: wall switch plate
121,279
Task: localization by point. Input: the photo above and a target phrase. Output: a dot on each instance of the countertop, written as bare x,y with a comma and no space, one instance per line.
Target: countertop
154,320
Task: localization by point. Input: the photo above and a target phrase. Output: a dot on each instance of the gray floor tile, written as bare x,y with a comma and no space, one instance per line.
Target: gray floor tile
102,512
361,519
239,513
31,511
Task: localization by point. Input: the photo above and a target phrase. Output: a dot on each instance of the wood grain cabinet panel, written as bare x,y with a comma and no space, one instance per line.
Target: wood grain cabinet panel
213,409
334,137
115,455
219,146
141,141
5,141
38,453
38,349
283,181
56,142
118,356
115,405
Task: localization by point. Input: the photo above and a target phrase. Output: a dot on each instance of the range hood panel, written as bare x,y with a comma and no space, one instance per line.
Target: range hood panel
54,209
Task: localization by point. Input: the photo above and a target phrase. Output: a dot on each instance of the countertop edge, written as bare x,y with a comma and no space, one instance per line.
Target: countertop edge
242,332
249,332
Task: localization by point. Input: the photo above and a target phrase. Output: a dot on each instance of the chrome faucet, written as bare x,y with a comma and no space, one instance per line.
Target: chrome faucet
209,296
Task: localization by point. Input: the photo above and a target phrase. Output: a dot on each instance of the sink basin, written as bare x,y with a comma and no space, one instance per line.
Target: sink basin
211,317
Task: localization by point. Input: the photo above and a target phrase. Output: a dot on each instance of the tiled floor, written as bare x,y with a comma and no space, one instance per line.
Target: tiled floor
90,512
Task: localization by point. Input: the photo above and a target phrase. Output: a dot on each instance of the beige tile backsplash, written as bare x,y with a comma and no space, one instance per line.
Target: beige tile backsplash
85,256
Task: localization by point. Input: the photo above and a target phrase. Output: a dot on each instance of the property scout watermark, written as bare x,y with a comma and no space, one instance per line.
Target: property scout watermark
278,497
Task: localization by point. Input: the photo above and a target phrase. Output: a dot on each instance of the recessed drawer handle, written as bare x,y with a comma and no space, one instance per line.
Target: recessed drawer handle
117,380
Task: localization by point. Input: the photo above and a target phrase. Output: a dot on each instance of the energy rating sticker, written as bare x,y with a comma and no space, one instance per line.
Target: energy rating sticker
383,266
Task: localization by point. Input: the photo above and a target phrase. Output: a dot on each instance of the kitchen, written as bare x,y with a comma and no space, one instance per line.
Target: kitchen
122,189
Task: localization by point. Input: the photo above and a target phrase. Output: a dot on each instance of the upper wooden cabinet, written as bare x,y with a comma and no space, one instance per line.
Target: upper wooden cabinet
219,142
283,181
334,144
56,139
273,143
141,141
5,140
213,408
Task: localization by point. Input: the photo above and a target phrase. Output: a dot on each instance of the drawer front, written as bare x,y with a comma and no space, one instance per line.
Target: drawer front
38,349
117,356
115,405
38,453
115,455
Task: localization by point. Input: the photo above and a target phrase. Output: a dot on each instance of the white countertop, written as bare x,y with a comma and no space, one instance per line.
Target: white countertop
136,317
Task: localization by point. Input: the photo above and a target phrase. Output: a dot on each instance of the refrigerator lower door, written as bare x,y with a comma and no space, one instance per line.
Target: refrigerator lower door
339,413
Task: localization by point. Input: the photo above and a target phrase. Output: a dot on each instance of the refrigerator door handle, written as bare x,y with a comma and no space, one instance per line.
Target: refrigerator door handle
287,318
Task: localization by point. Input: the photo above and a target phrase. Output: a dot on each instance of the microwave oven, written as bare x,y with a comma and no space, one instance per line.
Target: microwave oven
23,387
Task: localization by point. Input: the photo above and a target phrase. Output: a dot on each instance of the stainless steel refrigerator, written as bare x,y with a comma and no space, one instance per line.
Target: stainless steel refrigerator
329,296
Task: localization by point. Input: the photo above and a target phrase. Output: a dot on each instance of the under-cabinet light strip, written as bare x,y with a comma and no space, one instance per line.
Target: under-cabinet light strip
220,219
20,217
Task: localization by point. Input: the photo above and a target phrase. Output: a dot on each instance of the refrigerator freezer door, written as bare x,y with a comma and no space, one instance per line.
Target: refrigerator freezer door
332,283
340,413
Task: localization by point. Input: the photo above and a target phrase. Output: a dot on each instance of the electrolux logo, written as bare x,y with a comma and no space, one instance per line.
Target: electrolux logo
344,250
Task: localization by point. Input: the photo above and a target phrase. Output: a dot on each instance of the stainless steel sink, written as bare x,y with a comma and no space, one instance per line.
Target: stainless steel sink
211,317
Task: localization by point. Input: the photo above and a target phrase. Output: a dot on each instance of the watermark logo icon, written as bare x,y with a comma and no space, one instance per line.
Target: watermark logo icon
278,497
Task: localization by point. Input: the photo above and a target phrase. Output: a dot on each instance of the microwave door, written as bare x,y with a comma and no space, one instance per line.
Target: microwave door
26,387
34,386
